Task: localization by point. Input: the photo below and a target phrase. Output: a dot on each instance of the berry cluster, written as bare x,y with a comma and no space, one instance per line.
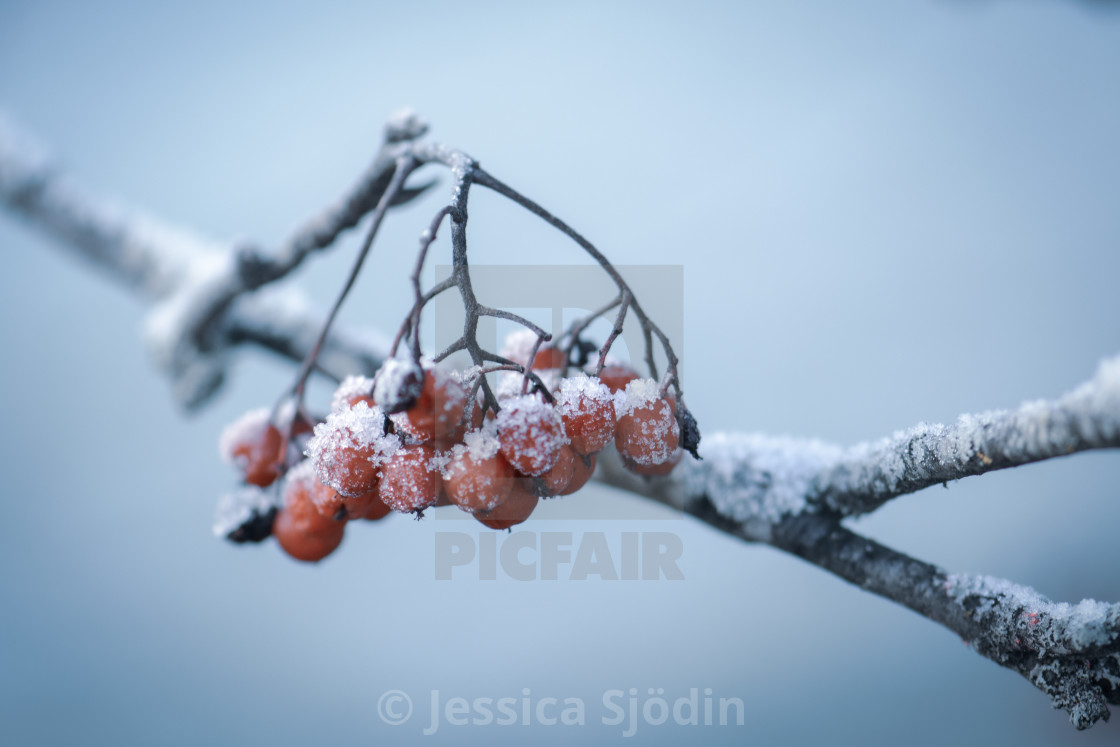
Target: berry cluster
417,436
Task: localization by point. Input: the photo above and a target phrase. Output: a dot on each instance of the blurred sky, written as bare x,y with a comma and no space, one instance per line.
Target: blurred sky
887,212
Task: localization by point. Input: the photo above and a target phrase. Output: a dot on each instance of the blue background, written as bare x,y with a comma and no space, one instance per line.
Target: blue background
887,212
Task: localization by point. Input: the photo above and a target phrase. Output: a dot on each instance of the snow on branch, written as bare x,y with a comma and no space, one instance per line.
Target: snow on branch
868,476
209,299
204,293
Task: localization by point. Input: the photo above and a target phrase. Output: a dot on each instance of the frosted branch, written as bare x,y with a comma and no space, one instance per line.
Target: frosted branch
869,475
204,293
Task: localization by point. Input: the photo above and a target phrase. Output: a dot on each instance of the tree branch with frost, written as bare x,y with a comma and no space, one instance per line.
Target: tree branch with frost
206,295
210,298
793,494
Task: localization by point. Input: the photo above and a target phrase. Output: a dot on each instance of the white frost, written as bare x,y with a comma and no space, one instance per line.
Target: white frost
234,509
751,477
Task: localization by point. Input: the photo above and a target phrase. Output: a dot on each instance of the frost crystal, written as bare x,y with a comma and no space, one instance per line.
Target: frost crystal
755,478
531,433
1048,628
351,387
637,394
578,387
478,444
345,438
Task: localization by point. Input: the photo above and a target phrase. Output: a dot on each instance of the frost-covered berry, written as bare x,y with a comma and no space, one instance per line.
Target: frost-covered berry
516,508
531,433
654,470
617,375
330,503
647,433
556,479
584,468
478,477
377,510
438,412
351,391
299,528
254,445
349,446
410,480
586,405
245,515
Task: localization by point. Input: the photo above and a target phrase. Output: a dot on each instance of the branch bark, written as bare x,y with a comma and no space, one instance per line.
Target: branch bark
209,300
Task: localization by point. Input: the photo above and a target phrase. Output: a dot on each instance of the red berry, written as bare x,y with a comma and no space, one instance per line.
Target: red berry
647,433
348,448
584,468
549,357
531,433
351,391
301,530
439,410
410,480
554,481
616,376
253,444
331,504
478,477
377,510
515,509
654,470
586,405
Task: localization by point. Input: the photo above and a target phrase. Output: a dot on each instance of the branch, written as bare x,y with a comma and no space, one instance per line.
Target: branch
868,476
203,292
792,494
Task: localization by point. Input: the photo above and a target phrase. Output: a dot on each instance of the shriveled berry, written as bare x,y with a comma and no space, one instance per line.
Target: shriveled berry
478,477
531,433
348,448
690,431
254,445
647,433
245,515
586,405
410,480
399,384
299,528
516,508
584,468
